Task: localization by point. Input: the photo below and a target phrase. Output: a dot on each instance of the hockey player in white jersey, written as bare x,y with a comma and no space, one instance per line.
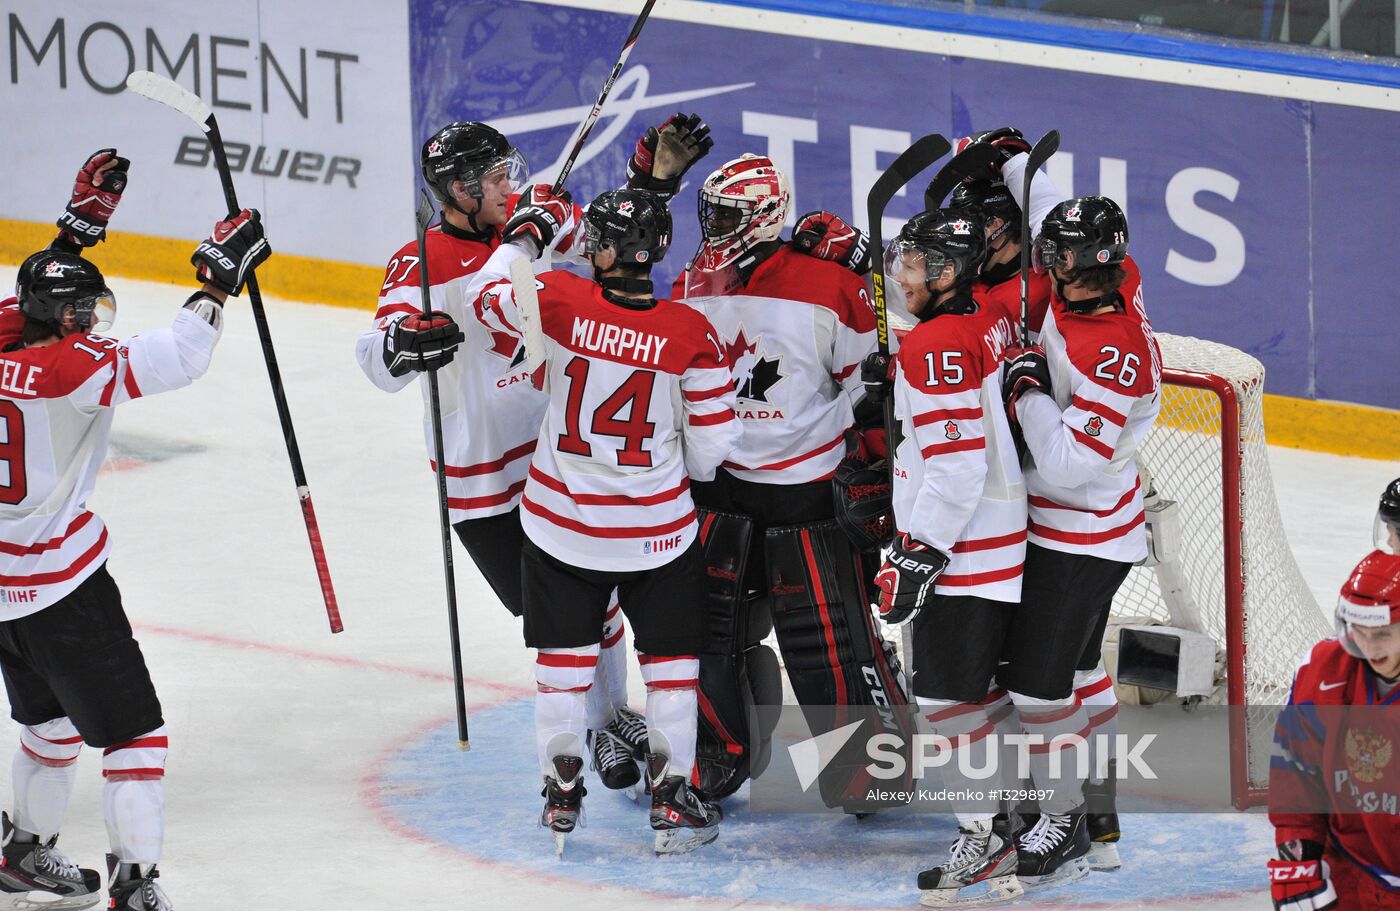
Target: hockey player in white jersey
72,670
796,329
640,403
491,413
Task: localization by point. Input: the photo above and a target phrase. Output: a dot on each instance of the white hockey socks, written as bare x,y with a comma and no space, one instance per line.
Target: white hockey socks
609,691
672,707
1058,749
563,677
133,799
1095,689
43,771
972,766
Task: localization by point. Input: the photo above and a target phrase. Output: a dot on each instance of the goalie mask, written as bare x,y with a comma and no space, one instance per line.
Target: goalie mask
742,204
53,286
1387,530
1370,600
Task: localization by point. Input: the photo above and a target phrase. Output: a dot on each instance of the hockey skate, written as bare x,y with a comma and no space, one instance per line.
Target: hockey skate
612,760
631,728
563,799
980,870
136,894
36,875
1102,822
1053,851
683,820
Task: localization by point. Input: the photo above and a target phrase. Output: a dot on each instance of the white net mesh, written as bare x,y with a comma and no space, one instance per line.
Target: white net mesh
1183,454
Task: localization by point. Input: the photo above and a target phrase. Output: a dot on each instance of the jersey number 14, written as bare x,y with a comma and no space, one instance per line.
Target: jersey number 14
633,396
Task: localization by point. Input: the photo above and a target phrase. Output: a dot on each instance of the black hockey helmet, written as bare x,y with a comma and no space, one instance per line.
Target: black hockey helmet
944,237
53,283
1083,233
1387,531
864,502
636,223
989,199
465,151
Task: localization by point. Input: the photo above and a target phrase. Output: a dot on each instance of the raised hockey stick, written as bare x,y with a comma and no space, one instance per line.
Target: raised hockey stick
1040,153
424,216
587,126
167,92
972,160
527,304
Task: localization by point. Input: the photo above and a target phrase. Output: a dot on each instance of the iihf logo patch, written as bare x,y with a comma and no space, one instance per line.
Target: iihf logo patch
960,227
1103,256
435,148
950,430
625,208
1072,214
1094,426
642,255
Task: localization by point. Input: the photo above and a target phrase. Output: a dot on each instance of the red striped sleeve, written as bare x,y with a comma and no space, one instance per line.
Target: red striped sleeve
1093,445
701,395
390,309
1088,537
963,445
1043,503
1099,408
495,499
709,420
948,414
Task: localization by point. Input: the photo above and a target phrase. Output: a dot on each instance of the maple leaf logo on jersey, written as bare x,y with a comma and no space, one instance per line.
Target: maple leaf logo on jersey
754,373
504,345
1094,426
950,430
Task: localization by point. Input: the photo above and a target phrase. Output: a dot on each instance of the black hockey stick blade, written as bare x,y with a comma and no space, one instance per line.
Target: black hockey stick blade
1046,146
974,160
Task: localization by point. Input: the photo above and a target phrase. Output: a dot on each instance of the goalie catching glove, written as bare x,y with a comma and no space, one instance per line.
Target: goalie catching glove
421,341
906,580
666,152
236,247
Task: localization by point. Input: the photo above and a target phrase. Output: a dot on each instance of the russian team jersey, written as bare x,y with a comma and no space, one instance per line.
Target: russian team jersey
957,477
1106,373
794,335
640,402
56,408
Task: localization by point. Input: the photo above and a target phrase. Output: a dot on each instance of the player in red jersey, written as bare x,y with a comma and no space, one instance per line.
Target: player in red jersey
954,569
1333,785
491,413
641,402
72,670
1084,403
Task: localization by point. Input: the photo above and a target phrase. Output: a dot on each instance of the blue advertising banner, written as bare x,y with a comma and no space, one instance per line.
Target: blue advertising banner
1258,222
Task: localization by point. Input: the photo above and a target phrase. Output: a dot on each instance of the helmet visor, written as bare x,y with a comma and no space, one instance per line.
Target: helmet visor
94,313
1364,627
511,166
1048,254
1386,535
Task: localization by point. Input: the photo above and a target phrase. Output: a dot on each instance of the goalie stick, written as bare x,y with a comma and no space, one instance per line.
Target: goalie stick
159,88
1044,148
424,216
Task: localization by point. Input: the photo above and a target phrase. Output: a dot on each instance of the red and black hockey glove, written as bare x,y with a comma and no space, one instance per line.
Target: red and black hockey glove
827,236
1301,880
666,152
877,373
906,579
234,249
421,342
1008,142
539,217
96,192
1026,369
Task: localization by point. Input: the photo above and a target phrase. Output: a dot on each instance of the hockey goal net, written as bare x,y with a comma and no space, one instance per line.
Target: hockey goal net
1207,452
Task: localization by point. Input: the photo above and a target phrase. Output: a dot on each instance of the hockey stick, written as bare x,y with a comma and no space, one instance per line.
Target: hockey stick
167,92
527,304
1047,146
424,216
587,126
970,161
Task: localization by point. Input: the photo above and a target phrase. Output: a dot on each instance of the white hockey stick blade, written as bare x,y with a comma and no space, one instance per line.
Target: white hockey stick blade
168,92
527,303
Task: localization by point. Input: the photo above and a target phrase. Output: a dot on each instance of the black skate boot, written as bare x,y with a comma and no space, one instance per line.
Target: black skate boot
980,870
683,820
563,799
1053,851
36,874
137,893
631,728
612,760
1102,822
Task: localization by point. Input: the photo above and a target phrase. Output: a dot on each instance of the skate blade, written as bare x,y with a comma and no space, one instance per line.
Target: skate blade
1103,856
47,901
680,841
990,892
559,839
1070,871
638,794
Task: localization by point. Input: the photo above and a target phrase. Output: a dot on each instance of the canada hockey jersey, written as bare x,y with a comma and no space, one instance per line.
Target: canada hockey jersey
1337,754
794,335
1106,373
640,402
957,478
56,407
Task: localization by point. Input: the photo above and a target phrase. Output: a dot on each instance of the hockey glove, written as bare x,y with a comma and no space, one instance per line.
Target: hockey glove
1026,369
1300,880
827,236
1008,142
235,247
877,373
539,217
666,152
96,193
421,342
906,580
